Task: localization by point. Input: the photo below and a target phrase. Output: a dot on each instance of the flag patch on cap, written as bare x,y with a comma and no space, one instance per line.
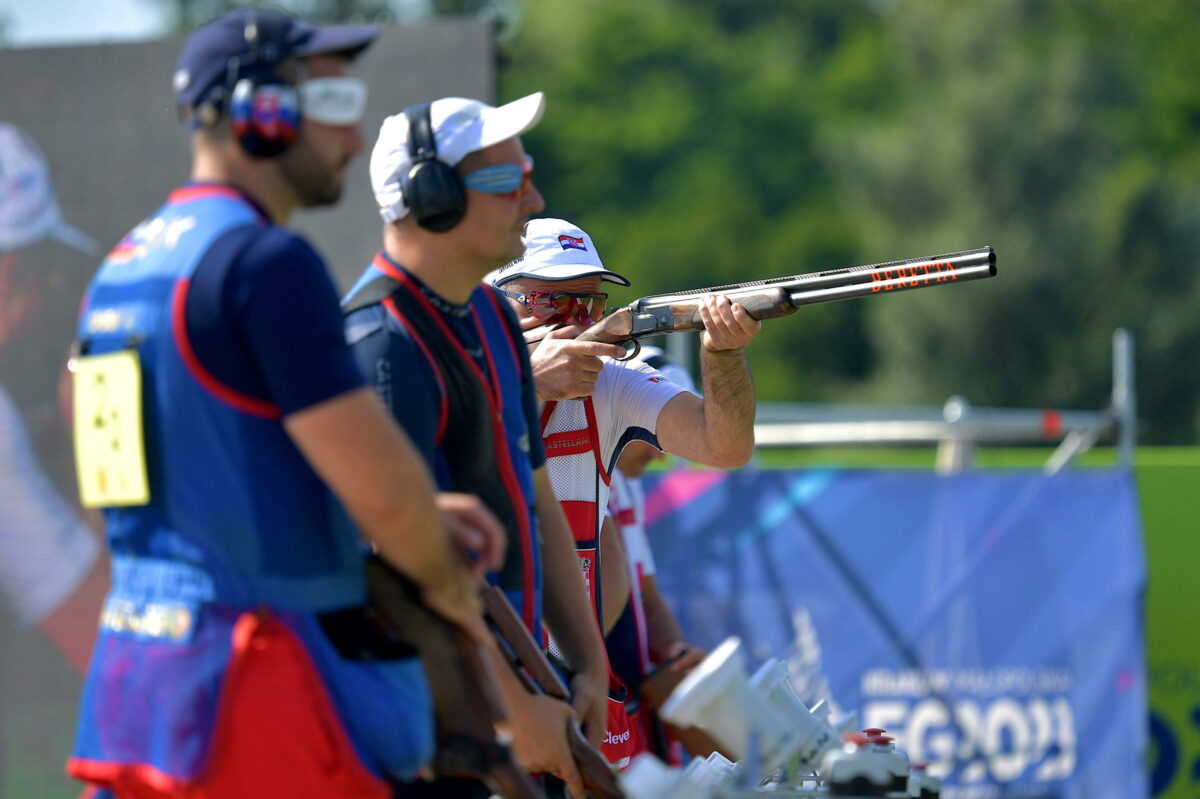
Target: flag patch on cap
571,243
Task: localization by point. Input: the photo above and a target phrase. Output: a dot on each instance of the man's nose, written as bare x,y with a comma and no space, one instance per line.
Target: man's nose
534,202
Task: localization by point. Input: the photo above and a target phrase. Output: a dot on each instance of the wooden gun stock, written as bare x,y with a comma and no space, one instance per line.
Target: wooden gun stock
530,663
471,720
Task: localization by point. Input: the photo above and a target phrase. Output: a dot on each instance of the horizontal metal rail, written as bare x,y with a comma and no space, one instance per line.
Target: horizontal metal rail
956,428
796,425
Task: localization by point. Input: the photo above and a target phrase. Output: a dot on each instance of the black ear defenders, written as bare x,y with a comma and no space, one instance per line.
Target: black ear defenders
264,110
432,189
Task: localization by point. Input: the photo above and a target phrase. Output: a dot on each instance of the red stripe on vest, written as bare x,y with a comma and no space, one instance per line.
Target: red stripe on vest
495,404
187,194
547,409
493,294
572,442
594,432
443,402
230,396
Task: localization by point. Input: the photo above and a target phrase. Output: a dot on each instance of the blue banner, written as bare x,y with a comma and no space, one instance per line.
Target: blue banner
991,621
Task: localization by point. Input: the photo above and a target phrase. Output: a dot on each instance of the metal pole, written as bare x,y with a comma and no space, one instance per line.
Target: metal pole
681,348
1124,396
956,453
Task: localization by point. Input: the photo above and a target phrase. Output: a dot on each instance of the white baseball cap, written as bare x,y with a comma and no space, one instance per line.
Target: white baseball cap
555,250
460,127
29,211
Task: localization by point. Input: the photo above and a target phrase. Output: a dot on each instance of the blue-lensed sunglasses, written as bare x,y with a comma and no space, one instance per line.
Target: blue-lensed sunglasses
501,178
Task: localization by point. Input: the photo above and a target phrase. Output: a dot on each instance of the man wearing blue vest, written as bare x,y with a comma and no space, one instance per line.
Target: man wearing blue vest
446,356
224,429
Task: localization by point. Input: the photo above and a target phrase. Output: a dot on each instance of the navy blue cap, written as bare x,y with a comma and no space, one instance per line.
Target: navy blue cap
217,54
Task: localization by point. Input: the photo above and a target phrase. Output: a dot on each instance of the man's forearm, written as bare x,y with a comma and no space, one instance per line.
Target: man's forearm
386,488
662,628
729,406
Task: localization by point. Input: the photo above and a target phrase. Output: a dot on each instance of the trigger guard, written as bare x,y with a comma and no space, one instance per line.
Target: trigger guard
631,353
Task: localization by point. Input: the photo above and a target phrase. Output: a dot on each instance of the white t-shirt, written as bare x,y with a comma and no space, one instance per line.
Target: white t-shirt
627,505
628,397
45,549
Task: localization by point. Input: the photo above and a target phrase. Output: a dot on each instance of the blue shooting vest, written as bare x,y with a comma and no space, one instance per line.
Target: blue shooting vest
236,514
500,378
237,520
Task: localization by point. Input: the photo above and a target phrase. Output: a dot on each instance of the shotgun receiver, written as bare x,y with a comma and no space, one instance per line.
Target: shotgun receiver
531,665
780,296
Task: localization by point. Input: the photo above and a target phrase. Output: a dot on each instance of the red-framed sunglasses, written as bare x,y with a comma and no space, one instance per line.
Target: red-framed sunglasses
562,307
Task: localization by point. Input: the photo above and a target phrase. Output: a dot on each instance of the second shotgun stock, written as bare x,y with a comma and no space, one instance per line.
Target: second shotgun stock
468,708
597,775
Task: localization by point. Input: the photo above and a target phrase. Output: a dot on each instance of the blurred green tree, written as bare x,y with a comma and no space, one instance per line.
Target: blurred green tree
709,141
1040,128
680,134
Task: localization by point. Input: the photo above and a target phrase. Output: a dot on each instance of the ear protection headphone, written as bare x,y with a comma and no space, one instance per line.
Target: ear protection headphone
264,110
432,189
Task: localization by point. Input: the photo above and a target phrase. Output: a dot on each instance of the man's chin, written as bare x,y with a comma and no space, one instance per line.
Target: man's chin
329,195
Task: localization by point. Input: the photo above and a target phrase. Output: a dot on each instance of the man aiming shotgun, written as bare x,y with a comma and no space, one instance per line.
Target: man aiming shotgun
595,404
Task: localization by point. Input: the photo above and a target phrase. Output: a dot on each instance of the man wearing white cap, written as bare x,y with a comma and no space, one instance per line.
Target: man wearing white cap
445,353
596,405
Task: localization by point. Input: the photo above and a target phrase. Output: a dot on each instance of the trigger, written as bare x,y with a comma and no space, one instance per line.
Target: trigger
632,352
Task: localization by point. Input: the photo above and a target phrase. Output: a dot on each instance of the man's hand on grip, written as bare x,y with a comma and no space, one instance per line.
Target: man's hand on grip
564,368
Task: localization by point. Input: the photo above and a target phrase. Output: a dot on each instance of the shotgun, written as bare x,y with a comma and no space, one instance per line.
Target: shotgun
781,296
531,665
471,719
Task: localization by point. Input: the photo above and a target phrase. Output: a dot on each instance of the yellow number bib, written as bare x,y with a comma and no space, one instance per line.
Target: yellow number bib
110,453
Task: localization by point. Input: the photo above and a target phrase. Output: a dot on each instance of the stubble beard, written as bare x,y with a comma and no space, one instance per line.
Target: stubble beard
314,183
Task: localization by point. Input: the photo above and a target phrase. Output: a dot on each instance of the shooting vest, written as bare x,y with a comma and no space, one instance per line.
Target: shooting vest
576,470
575,466
233,521
234,512
481,419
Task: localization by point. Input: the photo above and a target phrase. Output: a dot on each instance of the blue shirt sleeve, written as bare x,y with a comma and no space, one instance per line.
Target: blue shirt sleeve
537,456
400,375
263,317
